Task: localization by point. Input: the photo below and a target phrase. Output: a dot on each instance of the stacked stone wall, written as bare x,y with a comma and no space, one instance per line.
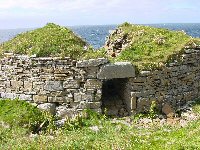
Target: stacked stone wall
60,85
171,86
65,87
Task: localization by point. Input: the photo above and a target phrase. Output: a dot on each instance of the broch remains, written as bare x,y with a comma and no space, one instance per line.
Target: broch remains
66,86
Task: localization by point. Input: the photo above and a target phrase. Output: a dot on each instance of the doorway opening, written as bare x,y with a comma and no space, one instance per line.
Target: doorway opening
114,97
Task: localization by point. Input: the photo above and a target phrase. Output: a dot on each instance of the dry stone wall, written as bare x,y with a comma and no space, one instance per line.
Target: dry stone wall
59,85
170,87
65,87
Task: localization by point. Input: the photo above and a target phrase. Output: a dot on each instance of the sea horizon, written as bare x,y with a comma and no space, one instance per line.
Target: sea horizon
96,35
87,25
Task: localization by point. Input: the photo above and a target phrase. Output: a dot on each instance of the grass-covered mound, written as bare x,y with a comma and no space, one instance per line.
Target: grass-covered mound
51,40
146,46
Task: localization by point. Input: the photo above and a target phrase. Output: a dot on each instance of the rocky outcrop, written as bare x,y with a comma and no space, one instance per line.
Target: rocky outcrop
119,43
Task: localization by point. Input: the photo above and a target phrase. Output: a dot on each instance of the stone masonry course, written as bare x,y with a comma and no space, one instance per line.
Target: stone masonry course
66,87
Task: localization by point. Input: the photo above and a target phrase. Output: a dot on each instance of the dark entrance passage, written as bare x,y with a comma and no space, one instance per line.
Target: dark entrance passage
114,97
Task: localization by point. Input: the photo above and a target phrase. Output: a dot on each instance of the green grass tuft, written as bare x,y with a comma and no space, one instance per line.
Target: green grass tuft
17,113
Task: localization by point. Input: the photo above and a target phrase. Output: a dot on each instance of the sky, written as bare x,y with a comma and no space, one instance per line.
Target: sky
36,13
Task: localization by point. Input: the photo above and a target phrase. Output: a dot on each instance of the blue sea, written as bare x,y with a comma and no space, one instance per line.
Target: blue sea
95,35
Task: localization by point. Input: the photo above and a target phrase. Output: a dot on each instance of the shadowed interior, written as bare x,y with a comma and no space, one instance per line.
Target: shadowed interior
113,99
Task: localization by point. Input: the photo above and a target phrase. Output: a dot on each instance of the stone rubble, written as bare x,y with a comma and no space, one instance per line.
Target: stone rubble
114,47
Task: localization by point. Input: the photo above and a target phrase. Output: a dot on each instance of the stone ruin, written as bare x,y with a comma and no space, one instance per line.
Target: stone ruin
66,87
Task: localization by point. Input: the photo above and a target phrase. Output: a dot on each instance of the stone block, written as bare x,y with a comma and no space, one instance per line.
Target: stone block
87,97
71,84
83,105
74,104
39,98
8,95
98,95
65,112
92,72
38,86
145,73
95,105
60,99
2,89
133,104
62,76
28,85
6,84
91,62
63,93
99,110
82,97
15,85
168,110
143,105
116,70
48,77
53,86
93,84
78,97
49,107
25,97
19,69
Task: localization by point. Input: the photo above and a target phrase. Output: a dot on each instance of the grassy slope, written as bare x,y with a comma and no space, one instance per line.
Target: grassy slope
110,136
146,50
51,40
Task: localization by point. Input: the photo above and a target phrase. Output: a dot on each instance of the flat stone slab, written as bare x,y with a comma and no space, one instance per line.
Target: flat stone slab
116,70
53,86
91,62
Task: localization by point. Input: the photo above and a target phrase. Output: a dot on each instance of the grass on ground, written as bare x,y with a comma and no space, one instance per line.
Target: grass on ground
78,135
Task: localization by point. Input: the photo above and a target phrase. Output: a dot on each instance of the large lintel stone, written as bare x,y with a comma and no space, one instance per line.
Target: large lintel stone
116,70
